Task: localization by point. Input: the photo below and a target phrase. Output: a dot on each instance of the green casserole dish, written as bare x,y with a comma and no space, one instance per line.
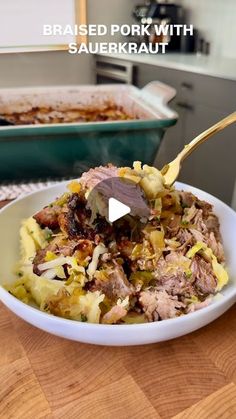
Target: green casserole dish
30,152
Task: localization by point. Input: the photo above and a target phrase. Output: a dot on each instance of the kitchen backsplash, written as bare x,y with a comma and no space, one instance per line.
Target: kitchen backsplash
216,21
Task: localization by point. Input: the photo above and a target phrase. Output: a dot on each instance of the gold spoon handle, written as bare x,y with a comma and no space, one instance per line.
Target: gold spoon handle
189,148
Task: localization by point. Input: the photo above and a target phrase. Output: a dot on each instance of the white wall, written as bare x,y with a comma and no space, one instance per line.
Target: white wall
216,21
21,21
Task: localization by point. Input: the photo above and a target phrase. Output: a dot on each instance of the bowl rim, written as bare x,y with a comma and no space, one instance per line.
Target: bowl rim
215,304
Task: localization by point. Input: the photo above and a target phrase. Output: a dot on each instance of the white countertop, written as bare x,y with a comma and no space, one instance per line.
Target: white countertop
202,64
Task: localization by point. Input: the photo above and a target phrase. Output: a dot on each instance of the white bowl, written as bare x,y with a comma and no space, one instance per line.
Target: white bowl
137,334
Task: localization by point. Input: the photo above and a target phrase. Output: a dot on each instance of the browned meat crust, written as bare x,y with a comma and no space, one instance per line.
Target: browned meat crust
74,217
58,246
188,199
205,280
48,115
115,285
48,217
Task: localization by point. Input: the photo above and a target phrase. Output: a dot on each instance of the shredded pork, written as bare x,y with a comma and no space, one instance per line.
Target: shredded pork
165,266
159,305
115,284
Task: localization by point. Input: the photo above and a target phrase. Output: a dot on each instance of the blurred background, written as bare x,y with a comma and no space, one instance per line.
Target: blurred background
201,68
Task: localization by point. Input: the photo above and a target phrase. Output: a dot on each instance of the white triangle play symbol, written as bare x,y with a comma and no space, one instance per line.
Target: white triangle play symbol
116,210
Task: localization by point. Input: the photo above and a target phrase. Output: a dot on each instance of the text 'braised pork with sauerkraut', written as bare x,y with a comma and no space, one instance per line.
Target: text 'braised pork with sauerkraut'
164,264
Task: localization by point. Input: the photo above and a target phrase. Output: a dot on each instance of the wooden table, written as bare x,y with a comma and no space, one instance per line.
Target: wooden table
42,376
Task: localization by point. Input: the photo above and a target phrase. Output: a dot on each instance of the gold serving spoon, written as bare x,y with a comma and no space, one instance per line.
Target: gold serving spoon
171,171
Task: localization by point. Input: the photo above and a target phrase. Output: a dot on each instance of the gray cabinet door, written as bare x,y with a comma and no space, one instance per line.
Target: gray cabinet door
200,102
174,137
212,167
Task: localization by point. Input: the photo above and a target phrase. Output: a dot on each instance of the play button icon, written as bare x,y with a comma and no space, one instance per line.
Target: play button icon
117,209
115,197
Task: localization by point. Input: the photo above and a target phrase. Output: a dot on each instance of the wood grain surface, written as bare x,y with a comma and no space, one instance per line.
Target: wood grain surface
43,376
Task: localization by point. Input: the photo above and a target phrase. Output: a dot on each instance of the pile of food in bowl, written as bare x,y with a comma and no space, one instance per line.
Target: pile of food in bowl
77,265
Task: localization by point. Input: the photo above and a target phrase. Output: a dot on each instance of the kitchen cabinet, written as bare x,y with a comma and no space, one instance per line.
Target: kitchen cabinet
201,101
212,166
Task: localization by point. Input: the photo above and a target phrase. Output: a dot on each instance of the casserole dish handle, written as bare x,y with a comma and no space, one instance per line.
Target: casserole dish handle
162,92
157,95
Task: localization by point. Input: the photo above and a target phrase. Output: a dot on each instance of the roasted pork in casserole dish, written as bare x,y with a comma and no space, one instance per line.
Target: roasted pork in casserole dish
62,131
